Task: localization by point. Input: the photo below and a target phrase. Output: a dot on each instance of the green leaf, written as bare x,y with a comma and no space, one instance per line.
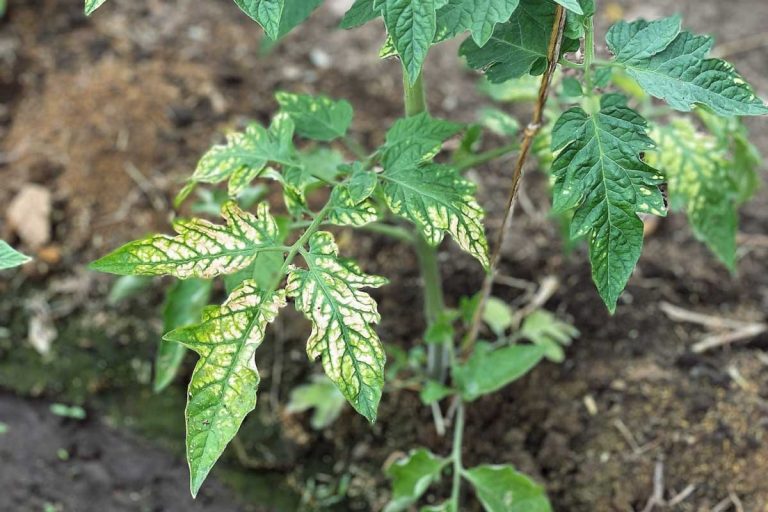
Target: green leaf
416,139
322,396
412,24
267,13
126,287
9,257
489,369
294,14
433,392
571,5
544,329
412,476
503,489
438,200
518,47
328,293
671,65
245,154
317,117
600,173
704,182
201,249
498,315
479,17
344,211
184,303
361,12
223,386
92,5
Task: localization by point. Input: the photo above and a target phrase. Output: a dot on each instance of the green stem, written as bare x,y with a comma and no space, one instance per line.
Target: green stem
482,158
414,95
458,435
296,247
589,53
415,101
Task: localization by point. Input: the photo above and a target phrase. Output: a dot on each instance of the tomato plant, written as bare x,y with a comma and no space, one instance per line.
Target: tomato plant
608,165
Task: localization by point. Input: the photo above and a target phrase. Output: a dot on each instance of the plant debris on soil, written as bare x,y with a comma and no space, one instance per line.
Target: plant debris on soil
109,114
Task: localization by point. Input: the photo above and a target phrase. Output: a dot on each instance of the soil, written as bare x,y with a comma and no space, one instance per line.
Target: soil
111,113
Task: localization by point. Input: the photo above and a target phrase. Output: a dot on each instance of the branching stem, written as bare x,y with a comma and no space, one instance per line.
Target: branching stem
553,54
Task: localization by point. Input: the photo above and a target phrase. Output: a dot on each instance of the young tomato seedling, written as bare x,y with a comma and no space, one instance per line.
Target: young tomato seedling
608,166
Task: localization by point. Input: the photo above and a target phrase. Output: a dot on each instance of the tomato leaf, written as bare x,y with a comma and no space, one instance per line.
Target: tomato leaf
488,369
412,24
672,65
600,173
10,257
201,249
412,476
328,293
503,489
479,17
519,46
223,386
317,117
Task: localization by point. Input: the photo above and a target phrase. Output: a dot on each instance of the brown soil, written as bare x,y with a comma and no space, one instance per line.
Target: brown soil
111,113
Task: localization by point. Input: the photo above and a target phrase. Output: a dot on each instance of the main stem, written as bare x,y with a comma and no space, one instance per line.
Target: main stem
415,103
458,435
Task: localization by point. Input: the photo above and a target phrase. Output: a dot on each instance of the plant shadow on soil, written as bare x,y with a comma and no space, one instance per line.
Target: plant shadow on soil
111,113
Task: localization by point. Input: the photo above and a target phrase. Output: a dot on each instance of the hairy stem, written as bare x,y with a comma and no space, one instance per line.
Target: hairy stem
458,435
553,54
414,97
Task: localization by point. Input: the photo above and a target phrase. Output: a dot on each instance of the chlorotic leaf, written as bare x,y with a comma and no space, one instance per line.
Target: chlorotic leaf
246,154
438,200
9,257
479,17
266,13
361,12
703,182
488,369
92,5
362,183
503,489
320,395
601,174
672,65
411,477
329,294
201,249
184,303
223,386
344,211
412,24
519,46
317,117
